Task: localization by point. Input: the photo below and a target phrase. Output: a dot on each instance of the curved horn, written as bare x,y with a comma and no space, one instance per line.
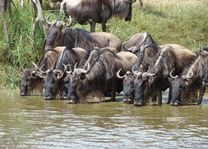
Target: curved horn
75,66
171,75
133,68
88,67
69,21
188,75
118,74
40,69
35,65
147,74
65,66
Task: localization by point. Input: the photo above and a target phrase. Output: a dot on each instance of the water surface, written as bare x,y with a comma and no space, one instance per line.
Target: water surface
31,122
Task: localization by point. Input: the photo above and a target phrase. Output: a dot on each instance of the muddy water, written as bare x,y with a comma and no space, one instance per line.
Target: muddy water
31,122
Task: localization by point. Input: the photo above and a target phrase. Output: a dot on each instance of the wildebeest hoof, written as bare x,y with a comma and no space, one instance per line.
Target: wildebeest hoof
64,97
139,103
176,103
127,100
48,98
23,94
71,101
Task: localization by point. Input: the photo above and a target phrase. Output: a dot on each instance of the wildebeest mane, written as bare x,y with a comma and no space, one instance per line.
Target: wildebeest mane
68,56
104,55
196,68
79,38
146,55
47,61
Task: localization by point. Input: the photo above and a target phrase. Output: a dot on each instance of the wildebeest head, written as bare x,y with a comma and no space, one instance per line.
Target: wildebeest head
51,82
55,33
128,86
27,82
178,84
54,36
141,83
74,80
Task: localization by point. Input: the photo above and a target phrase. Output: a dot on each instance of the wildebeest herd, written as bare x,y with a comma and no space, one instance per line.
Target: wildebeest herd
78,65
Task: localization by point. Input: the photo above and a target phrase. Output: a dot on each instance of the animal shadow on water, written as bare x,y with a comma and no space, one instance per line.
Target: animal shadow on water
152,10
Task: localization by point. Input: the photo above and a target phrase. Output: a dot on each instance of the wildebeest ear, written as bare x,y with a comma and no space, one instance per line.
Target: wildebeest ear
82,76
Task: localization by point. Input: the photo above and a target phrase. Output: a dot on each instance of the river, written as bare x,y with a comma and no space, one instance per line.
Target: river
31,122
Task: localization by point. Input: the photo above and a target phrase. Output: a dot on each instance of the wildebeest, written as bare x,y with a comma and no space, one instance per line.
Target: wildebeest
146,49
59,35
53,78
128,86
29,78
187,84
72,38
100,77
97,11
155,80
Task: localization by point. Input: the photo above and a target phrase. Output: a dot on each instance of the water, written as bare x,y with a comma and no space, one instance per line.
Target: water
31,122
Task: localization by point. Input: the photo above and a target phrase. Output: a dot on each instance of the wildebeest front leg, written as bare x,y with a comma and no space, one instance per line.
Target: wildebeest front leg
201,94
104,28
159,98
92,26
113,92
169,96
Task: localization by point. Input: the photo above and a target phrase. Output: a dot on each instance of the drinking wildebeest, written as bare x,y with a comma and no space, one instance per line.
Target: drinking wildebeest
99,11
53,78
100,77
29,78
146,49
190,81
155,80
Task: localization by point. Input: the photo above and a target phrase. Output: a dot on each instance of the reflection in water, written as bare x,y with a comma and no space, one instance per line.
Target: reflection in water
31,122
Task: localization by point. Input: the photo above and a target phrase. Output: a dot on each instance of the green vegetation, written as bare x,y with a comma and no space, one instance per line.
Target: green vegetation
184,23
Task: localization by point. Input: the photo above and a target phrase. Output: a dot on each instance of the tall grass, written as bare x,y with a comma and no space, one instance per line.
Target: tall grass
168,21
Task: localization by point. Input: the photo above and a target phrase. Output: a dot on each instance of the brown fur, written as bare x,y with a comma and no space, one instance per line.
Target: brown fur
48,60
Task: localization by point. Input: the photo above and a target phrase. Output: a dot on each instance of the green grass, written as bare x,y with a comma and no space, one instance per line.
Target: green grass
184,23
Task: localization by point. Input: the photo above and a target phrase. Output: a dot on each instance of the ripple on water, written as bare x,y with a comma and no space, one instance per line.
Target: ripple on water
34,123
